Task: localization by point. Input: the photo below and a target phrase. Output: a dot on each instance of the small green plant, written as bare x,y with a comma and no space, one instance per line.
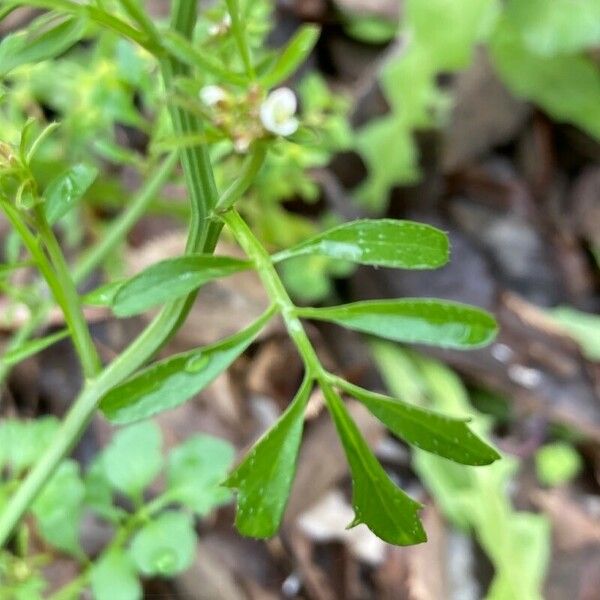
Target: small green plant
214,107
149,537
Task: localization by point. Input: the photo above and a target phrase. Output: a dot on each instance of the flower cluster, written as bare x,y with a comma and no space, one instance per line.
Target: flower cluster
252,117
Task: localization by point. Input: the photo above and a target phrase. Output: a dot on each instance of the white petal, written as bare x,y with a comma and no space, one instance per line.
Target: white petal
212,94
278,110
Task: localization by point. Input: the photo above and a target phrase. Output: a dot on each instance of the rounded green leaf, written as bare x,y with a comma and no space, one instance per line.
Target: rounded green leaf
170,279
196,469
264,478
133,458
113,577
165,546
381,242
171,382
414,320
58,508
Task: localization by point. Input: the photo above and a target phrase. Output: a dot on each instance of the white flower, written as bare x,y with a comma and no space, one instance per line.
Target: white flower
212,95
278,110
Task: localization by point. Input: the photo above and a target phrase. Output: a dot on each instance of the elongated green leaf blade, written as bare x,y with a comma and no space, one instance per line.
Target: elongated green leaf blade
67,189
414,320
426,429
378,503
379,242
103,295
171,279
38,43
264,478
292,57
32,347
171,382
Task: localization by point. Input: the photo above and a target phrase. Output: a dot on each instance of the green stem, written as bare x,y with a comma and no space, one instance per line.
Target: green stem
72,310
276,290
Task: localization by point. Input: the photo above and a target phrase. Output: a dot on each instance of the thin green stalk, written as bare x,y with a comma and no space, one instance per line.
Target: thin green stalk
59,281
275,289
117,231
239,34
72,309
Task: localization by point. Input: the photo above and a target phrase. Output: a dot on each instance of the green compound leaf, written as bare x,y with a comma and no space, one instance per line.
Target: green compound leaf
63,192
58,508
133,458
264,478
32,347
292,57
426,429
39,42
383,242
165,546
171,279
171,382
196,469
413,320
114,576
378,503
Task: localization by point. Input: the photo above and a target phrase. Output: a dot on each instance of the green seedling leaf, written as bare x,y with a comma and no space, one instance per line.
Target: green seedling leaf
413,320
171,382
58,508
383,242
32,347
426,429
114,576
264,478
293,56
22,443
196,469
39,42
171,279
133,458
165,546
66,190
378,503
